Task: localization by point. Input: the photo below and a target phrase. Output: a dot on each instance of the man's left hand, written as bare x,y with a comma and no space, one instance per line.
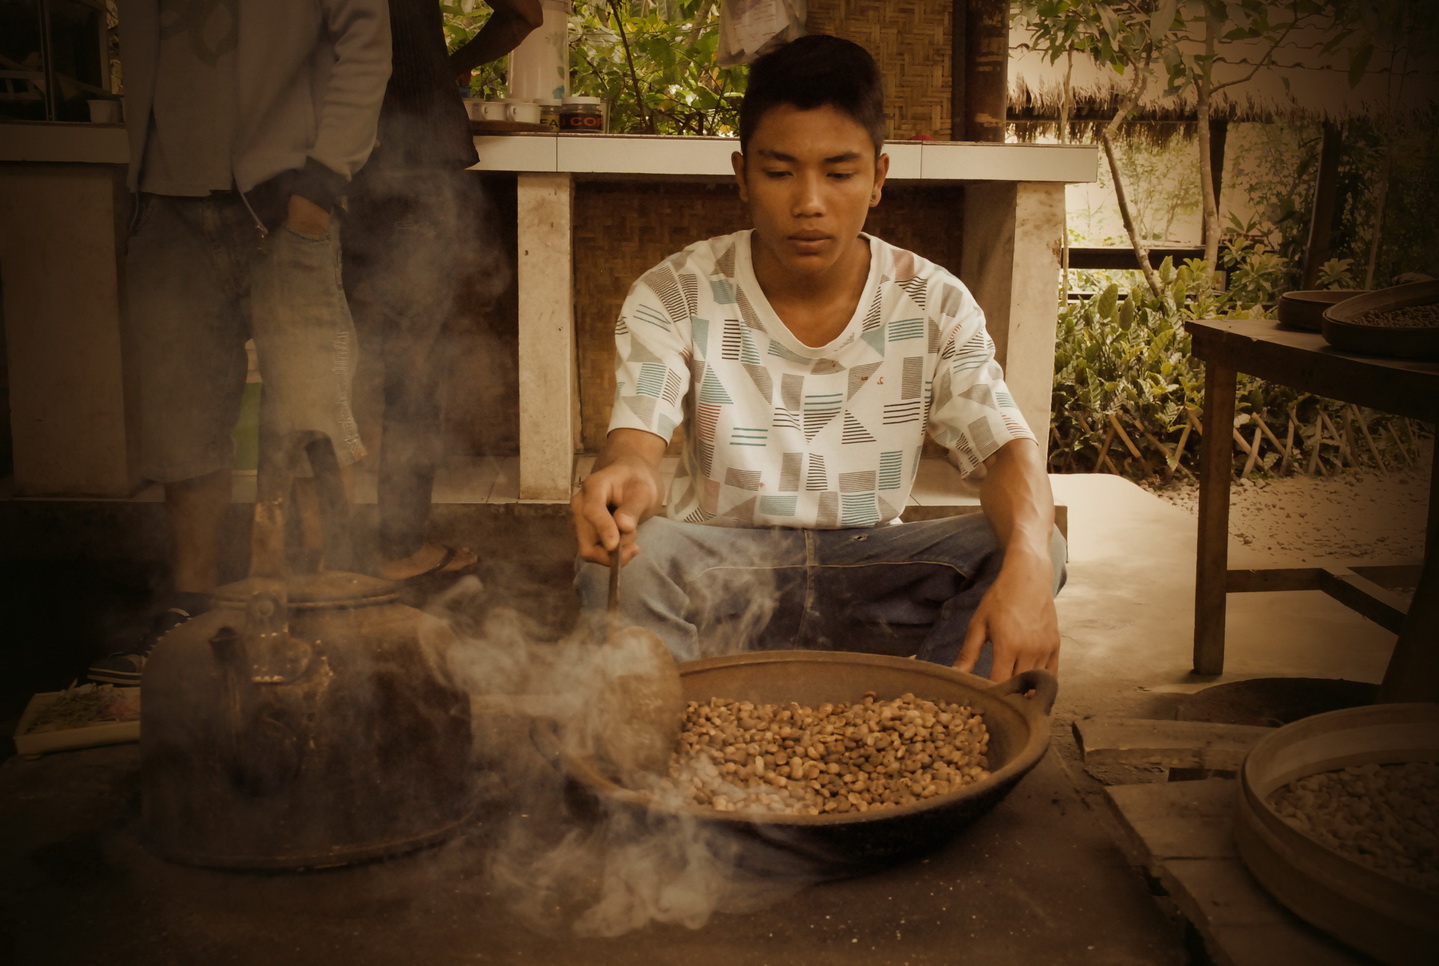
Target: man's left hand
1017,616
307,218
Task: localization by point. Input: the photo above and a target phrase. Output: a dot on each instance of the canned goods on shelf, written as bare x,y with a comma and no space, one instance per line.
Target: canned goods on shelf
550,112
582,115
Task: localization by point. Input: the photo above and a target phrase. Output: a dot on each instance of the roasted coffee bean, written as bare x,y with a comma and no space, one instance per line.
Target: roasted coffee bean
1383,816
834,758
1424,316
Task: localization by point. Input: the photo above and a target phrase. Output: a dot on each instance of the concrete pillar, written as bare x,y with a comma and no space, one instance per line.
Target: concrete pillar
549,384
71,405
1012,243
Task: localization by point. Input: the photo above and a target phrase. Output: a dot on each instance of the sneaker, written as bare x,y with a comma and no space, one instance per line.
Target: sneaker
124,667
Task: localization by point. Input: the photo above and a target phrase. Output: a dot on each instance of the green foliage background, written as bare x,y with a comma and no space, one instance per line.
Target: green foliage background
653,61
1124,356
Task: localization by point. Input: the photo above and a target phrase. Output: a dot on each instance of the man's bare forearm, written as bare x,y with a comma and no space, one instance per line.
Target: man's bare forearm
511,22
1017,499
1017,614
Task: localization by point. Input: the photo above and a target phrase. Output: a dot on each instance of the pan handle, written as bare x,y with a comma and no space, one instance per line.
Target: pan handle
1044,685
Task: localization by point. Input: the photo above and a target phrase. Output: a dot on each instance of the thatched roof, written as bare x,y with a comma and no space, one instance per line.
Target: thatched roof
1298,79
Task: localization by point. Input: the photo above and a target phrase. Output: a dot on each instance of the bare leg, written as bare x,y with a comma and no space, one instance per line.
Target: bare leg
197,509
308,512
403,245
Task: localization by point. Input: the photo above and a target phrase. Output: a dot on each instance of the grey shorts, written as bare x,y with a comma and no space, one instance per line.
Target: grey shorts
200,281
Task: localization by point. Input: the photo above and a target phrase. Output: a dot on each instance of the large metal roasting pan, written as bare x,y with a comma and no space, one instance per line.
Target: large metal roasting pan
1016,713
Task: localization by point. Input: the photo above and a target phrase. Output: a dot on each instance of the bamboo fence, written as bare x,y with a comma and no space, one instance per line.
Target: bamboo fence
1324,446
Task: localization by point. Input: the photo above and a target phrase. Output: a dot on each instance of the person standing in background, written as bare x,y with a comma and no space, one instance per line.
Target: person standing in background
415,229
247,120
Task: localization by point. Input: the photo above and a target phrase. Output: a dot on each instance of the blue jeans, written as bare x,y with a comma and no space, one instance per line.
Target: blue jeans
200,281
907,589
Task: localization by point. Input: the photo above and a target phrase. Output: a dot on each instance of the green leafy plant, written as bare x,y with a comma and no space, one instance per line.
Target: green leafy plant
656,65
1128,392
653,61
1337,273
1257,275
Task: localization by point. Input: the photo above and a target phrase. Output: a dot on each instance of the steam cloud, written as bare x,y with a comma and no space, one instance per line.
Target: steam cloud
562,859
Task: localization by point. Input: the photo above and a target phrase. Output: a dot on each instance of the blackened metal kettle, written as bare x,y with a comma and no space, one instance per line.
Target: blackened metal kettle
306,720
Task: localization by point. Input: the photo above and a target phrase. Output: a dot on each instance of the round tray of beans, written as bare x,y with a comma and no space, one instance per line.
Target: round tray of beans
1400,322
1303,310
838,762
1338,819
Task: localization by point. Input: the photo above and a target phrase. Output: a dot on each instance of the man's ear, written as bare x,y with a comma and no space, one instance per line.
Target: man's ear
736,161
881,168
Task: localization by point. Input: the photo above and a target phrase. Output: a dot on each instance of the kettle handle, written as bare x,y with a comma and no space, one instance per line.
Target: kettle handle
269,654
274,483
260,749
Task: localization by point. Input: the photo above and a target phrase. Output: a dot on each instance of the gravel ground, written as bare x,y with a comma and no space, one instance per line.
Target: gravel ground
1357,515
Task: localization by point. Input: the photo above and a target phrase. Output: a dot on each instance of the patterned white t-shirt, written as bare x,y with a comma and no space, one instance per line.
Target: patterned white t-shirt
779,433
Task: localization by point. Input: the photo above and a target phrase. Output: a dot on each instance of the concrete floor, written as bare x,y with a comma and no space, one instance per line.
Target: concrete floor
1039,879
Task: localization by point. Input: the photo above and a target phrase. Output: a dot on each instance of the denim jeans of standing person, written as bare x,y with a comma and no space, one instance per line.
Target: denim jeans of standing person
410,241
907,589
201,278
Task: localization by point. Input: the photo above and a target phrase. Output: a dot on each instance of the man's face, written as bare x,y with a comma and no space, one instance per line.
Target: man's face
809,179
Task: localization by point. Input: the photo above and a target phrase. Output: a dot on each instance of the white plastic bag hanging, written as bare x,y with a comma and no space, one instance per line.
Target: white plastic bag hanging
748,28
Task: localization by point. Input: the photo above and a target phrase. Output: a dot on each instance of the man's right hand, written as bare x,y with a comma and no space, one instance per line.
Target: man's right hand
306,217
621,492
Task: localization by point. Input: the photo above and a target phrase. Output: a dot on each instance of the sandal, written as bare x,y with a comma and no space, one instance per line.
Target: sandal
443,569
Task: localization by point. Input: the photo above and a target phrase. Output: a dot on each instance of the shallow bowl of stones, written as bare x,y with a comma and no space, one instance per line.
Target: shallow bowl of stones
1401,322
1336,820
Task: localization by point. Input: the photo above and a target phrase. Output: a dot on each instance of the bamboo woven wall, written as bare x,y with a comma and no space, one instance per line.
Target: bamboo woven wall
623,229
910,39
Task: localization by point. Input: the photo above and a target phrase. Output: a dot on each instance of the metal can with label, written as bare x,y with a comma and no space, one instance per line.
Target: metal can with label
582,115
550,113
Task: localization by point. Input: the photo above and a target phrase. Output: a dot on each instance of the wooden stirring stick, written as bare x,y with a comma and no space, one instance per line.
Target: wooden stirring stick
646,692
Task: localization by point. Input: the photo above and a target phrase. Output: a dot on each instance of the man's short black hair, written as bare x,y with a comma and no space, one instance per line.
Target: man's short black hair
811,72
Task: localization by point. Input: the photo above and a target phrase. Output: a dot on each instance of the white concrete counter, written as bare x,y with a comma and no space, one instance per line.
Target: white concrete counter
60,143
628,155
1014,198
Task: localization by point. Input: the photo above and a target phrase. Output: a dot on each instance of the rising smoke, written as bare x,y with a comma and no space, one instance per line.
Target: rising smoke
560,857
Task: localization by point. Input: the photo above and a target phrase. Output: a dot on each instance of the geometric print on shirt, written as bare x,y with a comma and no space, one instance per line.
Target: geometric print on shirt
785,434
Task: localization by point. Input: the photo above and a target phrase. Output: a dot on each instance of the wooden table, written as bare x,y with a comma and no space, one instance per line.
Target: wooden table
1305,361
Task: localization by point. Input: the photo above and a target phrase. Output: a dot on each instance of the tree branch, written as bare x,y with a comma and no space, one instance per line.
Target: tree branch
634,75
